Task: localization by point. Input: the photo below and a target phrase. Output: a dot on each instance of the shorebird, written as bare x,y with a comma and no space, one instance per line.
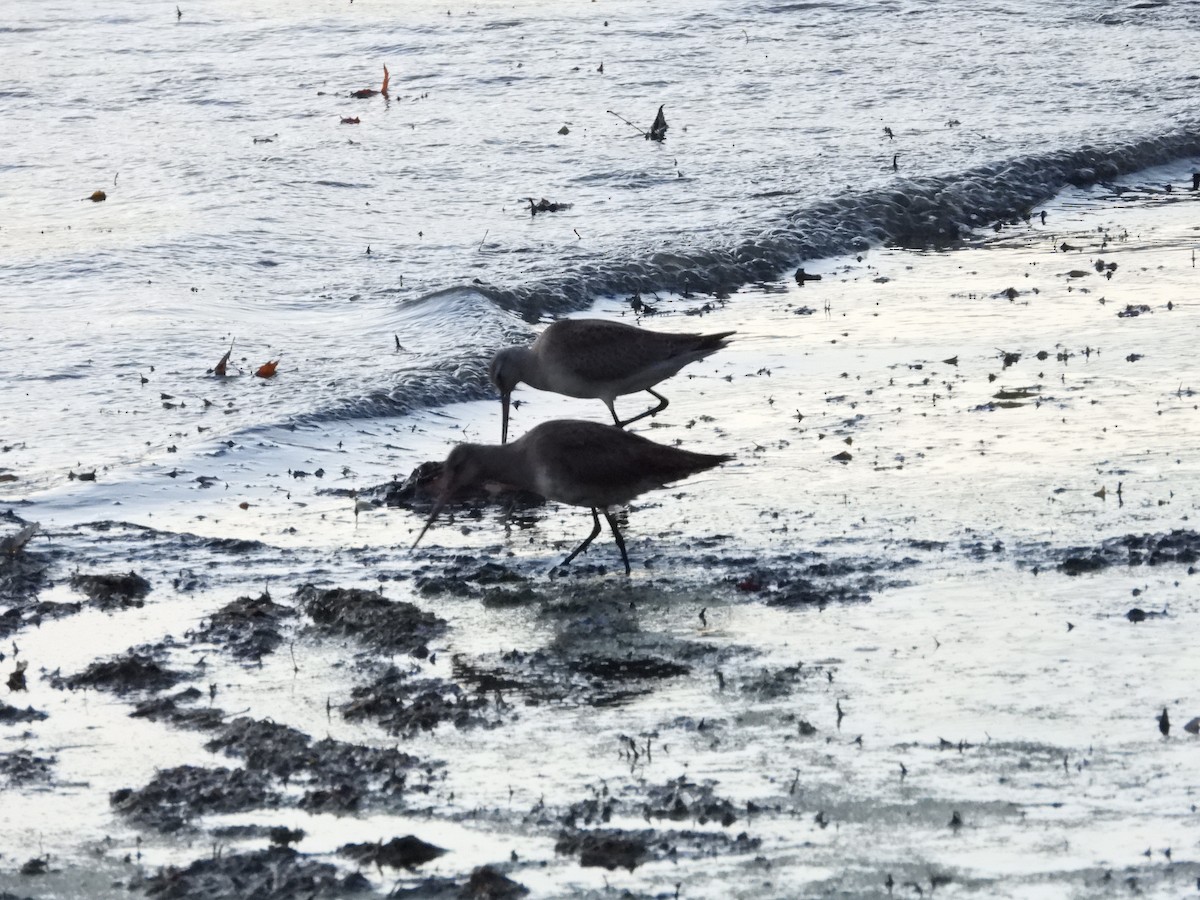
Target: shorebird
598,359
574,462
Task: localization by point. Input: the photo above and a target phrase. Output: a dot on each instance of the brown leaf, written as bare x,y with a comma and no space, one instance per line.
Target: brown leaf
267,369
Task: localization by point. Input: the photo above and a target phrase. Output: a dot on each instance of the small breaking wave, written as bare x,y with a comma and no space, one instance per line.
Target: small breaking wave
921,212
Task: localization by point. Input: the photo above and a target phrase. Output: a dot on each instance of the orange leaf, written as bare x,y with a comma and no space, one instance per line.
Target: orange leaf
267,369
383,90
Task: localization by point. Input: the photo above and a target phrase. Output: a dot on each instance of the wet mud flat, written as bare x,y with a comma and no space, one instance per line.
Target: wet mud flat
930,634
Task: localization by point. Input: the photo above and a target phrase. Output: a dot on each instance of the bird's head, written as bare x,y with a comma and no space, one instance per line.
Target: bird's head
463,468
506,372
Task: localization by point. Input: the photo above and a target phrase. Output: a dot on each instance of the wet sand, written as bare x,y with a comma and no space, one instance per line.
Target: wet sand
920,634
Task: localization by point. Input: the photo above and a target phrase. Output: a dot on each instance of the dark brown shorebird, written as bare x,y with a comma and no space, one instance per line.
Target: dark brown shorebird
598,359
574,462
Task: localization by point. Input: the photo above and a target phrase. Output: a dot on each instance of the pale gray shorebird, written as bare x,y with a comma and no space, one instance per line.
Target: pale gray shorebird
598,359
574,462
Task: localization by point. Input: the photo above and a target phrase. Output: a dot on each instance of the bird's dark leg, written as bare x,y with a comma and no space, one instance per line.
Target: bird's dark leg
662,404
620,540
613,409
591,537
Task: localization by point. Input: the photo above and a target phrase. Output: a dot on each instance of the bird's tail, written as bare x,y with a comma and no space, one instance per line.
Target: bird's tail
714,342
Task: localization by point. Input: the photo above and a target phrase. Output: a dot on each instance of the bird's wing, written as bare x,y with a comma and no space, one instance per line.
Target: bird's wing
611,351
589,464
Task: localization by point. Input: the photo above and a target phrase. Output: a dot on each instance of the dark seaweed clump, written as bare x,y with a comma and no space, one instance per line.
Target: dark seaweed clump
23,767
176,796
404,704
683,800
607,848
818,583
340,777
139,669
173,711
11,715
392,626
613,848
22,571
278,873
406,852
485,883
112,591
33,613
1178,547
485,582
249,627
563,672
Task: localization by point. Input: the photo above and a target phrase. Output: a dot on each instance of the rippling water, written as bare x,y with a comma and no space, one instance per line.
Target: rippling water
241,210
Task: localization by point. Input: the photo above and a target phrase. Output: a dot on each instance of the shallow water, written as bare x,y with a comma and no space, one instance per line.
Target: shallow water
211,237
918,587
1019,700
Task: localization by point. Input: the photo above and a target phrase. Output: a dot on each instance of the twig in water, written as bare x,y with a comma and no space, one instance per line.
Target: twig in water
485,234
627,122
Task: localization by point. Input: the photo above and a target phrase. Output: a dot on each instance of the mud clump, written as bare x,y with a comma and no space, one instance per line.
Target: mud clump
487,883
11,715
278,873
1178,547
1082,565
609,849
277,750
22,571
377,774
1158,549
340,777
684,800
171,710
22,767
176,796
33,613
392,626
140,669
112,591
249,627
776,684
576,671
404,704
612,848
408,852
817,584
631,668
494,584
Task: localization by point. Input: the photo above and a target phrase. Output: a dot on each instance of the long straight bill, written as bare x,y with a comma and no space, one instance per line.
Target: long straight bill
437,508
504,402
